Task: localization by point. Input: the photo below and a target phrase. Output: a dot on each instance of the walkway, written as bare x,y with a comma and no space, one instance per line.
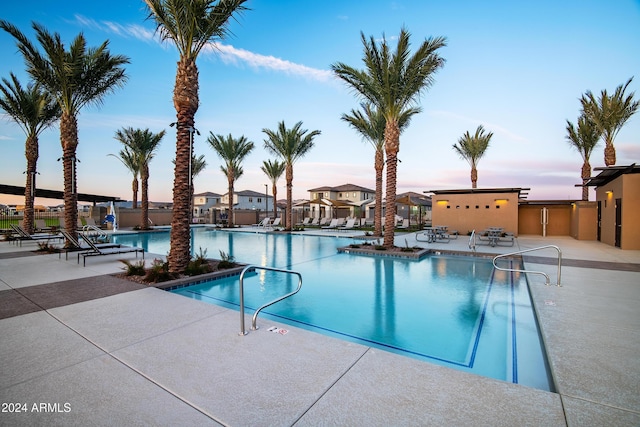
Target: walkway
91,349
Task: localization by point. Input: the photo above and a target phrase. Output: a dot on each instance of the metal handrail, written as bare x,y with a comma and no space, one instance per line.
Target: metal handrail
255,315
87,229
548,281
472,240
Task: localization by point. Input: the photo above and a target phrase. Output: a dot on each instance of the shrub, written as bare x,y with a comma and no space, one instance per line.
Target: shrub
198,265
226,261
159,272
134,268
46,247
380,248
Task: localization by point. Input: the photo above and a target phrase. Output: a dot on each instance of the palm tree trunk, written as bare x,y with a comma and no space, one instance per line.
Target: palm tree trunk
144,203
274,190
134,188
392,147
586,174
474,177
231,178
609,153
289,177
185,100
31,152
69,142
377,213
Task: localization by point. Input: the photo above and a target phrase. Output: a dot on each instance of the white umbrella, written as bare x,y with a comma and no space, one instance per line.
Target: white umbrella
112,212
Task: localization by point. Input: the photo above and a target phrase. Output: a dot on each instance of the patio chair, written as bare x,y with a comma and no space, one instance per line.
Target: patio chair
275,223
332,225
350,225
23,235
404,225
323,221
96,251
74,245
265,222
315,222
305,222
41,225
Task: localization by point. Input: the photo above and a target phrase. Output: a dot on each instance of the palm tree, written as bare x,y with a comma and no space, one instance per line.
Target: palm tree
128,159
142,144
75,78
191,25
197,165
370,122
34,111
609,113
273,170
290,145
472,148
584,138
233,151
393,82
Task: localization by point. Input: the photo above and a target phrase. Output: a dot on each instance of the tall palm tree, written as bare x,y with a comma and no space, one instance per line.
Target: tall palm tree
198,164
233,151
609,113
393,82
471,148
75,78
274,170
143,145
370,122
34,110
129,160
290,145
190,25
584,138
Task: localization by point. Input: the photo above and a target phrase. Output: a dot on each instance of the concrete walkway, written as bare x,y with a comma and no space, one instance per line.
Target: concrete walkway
90,349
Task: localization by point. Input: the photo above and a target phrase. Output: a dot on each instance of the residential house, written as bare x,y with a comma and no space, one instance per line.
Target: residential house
340,201
204,202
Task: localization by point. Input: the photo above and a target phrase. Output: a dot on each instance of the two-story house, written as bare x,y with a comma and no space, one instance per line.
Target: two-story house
340,201
203,203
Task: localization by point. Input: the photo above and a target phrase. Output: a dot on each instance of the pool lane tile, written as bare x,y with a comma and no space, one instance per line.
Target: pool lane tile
387,389
98,392
35,344
264,378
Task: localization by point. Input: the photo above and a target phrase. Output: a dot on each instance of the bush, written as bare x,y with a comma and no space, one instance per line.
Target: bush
135,268
198,265
226,261
159,272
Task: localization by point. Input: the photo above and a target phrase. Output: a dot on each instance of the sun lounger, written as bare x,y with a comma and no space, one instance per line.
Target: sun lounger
275,223
323,221
265,222
23,235
315,222
96,251
41,225
350,225
332,225
305,222
404,225
73,245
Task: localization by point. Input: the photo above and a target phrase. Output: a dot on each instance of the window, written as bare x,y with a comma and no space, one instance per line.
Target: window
250,199
486,207
259,199
497,206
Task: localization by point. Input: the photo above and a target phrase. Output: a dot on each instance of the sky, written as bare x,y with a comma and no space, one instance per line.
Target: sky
517,68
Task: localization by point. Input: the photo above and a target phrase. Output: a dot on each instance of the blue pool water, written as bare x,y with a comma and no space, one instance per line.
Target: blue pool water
451,310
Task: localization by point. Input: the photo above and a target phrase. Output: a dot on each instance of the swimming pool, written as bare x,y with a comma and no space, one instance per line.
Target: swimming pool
456,311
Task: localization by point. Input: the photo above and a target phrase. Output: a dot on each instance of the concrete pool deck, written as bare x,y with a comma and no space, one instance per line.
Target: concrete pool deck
82,348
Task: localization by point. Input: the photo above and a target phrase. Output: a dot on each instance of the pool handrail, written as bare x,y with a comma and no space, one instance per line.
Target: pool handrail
255,315
548,281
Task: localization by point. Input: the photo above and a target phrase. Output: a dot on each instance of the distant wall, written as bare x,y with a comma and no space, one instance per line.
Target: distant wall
584,220
131,217
476,211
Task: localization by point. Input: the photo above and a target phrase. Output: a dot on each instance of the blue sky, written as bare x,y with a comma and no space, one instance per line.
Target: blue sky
517,68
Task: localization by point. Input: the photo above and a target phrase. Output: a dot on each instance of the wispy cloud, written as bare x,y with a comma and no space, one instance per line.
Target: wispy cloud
491,127
228,53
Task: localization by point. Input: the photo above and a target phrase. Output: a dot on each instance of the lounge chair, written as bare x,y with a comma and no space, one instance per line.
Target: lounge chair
74,245
350,225
23,235
404,225
265,222
305,222
332,225
275,223
41,225
96,251
315,222
323,221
